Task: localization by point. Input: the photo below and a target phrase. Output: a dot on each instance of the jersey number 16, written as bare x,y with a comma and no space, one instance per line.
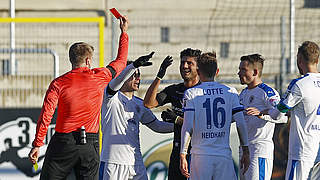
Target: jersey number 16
215,112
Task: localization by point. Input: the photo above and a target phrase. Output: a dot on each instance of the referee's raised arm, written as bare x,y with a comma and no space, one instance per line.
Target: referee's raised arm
117,65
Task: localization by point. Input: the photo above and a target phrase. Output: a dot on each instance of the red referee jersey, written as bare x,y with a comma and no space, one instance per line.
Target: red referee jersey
78,95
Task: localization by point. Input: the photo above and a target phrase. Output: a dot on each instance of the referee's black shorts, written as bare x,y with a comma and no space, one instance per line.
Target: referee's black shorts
65,153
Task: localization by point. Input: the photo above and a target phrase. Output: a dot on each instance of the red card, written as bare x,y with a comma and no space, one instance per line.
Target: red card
115,13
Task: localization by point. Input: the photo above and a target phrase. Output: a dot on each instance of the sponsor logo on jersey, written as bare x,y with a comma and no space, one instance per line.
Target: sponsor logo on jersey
184,102
273,101
251,98
241,101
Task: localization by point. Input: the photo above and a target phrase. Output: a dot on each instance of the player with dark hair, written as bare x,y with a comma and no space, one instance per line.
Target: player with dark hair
122,113
174,94
209,109
256,97
78,95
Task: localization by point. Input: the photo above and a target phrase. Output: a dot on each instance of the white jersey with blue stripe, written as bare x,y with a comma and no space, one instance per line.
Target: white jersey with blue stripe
120,128
302,98
213,105
260,132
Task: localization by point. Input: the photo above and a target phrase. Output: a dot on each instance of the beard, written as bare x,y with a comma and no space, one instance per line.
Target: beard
188,76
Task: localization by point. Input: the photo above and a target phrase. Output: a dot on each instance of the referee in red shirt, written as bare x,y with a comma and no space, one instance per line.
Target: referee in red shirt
78,95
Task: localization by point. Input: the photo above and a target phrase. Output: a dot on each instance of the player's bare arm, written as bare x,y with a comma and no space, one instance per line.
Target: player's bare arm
243,137
184,165
186,133
150,100
271,115
245,160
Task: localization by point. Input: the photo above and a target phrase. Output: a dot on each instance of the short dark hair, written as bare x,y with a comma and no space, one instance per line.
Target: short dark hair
207,64
310,52
212,53
256,60
79,51
190,53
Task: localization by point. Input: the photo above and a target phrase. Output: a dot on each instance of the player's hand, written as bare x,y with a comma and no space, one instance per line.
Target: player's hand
184,166
143,60
168,116
245,160
124,23
34,155
164,65
252,111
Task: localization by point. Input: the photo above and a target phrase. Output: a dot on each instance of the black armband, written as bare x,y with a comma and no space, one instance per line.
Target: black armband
111,91
112,70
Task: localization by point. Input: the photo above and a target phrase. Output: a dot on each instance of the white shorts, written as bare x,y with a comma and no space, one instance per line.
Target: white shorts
298,170
315,172
259,168
110,171
204,167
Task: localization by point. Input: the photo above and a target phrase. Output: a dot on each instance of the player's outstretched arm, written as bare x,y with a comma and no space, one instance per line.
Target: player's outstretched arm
150,100
161,126
116,84
163,67
169,116
143,60
272,115
151,121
